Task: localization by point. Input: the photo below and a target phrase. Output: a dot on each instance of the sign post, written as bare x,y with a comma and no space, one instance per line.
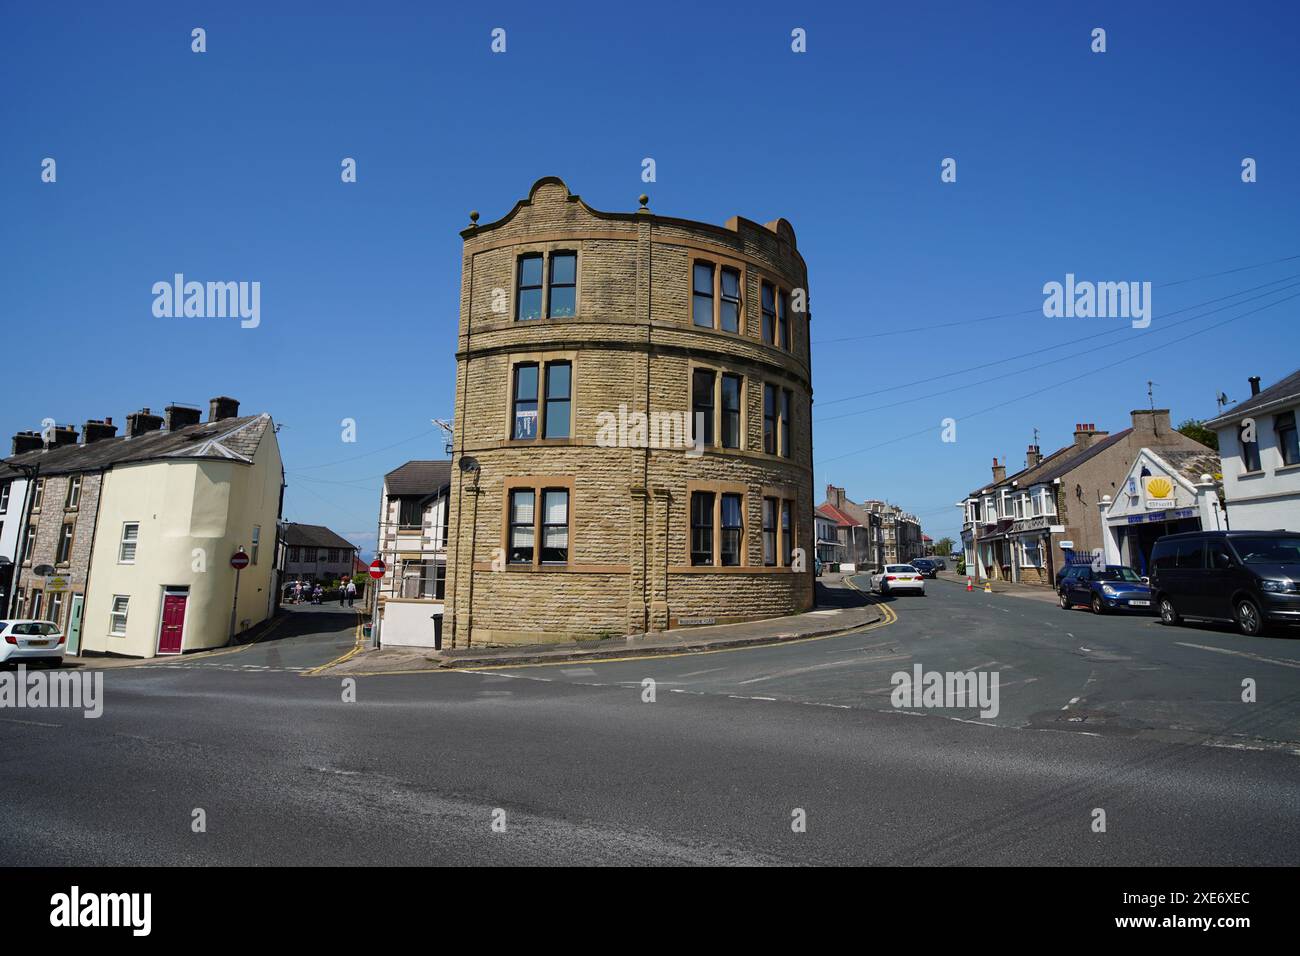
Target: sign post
238,561
377,569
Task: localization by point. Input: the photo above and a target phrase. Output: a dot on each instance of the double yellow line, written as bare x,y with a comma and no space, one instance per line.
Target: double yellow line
357,647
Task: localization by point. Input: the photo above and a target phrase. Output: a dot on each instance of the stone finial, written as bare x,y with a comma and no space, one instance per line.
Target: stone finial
473,217
643,199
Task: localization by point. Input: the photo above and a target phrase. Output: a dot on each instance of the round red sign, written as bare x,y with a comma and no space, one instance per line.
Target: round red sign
377,569
239,560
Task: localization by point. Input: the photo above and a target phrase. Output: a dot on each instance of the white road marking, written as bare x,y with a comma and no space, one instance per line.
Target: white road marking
1254,657
708,671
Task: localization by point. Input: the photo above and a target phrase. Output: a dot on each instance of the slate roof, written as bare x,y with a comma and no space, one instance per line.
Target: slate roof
1278,392
418,478
314,536
1067,465
232,439
1190,464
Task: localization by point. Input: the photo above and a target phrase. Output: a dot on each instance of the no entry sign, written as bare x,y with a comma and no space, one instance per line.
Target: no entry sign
377,569
239,560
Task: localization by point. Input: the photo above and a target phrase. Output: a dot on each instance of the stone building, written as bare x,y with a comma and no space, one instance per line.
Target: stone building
595,350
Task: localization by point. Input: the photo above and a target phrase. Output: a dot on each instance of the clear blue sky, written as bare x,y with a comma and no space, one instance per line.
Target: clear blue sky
1116,166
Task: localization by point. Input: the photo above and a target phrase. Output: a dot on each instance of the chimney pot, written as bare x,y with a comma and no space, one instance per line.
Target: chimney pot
94,431
1254,385
142,422
26,441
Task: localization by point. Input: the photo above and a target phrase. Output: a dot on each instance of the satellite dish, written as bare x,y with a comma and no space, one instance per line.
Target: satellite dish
43,570
468,464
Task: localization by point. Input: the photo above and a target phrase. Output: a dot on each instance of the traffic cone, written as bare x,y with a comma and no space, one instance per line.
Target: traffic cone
988,588
969,586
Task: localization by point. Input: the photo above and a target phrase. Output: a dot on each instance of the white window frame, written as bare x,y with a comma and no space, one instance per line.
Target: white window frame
114,614
74,493
122,543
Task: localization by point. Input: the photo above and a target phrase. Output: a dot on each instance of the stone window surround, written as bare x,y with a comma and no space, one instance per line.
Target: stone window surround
781,453
780,495
538,484
719,369
545,250
540,359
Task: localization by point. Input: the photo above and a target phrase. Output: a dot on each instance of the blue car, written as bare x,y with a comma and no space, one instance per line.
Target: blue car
1112,588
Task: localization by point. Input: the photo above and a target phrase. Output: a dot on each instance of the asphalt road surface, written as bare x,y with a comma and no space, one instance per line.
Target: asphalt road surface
1116,714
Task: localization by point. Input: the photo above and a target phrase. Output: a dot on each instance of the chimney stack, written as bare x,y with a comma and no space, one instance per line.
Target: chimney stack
64,435
1033,456
1086,434
1151,420
221,408
142,422
835,496
181,416
1254,384
999,472
27,441
94,430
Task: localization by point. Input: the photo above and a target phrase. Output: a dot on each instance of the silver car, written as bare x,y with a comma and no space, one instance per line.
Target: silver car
25,640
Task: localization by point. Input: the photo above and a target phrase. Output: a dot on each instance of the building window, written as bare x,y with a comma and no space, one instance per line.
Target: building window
39,495
733,529
130,538
769,312
559,384
556,412
787,533
440,581
527,524
1249,450
702,295
731,391
4,496
776,421
783,320
294,555
74,493
29,545
35,611
785,423
64,552
729,303
522,526
525,405
770,508
257,541
528,292
562,294
701,527
409,514
117,618
555,526
1287,439
702,382
56,606
334,556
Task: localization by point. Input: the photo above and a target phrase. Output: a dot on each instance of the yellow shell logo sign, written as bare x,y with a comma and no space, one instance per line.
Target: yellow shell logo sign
1159,487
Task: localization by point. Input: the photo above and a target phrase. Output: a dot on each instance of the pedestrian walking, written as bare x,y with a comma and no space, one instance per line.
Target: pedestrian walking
351,590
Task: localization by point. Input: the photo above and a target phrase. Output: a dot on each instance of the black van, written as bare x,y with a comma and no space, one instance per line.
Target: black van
1249,578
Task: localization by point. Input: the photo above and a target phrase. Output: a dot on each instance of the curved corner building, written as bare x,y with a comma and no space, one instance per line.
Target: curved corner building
633,436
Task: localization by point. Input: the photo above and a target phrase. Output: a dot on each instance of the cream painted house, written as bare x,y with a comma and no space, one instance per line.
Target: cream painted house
161,580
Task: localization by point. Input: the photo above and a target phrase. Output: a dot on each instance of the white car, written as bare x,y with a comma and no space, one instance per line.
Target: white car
898,577
26,640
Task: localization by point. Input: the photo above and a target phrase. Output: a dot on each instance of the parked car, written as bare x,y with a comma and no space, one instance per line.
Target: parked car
26,640
898,577
926,566
1111,588
1247,578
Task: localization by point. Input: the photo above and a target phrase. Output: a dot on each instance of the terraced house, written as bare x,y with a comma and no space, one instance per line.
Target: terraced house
138,530
594,350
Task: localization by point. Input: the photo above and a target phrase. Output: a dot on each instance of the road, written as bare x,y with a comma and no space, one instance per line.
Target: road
1143,722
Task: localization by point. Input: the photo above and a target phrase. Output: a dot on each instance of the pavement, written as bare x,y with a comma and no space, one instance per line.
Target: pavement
841,607
700,758
1034,592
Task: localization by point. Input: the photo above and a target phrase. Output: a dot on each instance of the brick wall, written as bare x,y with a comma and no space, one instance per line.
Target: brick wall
49,521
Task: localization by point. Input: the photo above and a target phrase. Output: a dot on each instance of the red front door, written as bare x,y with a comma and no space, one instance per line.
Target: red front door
173,623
